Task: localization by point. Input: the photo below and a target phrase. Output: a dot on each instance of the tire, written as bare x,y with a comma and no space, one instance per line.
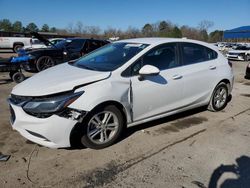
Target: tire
17,47
44,62
100,135
248,57
18,77
11,74
219,98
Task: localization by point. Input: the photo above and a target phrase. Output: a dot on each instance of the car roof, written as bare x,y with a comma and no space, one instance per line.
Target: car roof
158,40
77,38
161,40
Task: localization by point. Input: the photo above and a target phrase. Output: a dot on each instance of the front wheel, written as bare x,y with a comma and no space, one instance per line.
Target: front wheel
219,98
18,77
44,62
103,127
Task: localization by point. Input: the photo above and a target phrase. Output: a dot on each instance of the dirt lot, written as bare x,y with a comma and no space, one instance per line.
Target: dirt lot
184,150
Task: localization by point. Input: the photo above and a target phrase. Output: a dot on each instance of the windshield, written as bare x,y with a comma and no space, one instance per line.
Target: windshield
110,57
61,44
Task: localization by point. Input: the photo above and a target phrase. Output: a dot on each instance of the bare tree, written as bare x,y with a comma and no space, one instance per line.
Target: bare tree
205,25
79,28
70,27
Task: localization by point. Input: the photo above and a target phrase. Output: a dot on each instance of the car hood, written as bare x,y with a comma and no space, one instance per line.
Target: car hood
61,78
42,39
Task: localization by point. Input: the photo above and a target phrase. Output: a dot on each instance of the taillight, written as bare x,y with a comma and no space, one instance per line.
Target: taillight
230,63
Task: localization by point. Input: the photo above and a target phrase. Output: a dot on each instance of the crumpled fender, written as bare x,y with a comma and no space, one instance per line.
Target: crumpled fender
105,91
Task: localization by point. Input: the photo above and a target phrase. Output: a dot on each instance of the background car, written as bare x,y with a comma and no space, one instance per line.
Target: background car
37,44
122,84
239,53
65,50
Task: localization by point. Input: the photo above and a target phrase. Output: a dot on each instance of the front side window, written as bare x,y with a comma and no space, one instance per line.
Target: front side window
110,57
195,53
163,57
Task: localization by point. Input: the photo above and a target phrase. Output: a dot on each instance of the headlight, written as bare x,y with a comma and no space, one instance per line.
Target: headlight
51,104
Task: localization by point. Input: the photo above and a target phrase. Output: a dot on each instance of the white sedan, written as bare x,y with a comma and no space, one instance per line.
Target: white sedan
241,53
123,84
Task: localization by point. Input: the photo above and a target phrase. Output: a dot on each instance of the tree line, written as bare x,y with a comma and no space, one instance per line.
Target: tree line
17,26
157,29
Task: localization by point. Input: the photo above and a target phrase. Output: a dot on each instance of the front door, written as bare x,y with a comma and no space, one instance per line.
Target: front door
155,95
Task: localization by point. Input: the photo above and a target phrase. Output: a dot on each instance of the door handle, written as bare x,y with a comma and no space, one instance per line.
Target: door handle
176,77
212,67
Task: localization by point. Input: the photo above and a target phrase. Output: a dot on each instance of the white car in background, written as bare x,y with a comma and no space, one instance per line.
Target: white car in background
241,53
37,44
123,84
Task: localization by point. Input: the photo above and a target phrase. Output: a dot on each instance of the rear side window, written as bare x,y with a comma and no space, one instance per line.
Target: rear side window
195,53
76,44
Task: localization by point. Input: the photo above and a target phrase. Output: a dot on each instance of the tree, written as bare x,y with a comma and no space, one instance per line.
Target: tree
176,32
53,29
147,30
70,27
110,32
216,36
17,26
31,27
190,32
93,30
204,35
165,28
79,29
205,25
45,28
5,25
132,32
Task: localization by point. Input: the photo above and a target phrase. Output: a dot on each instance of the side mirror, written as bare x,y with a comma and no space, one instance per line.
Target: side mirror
148,70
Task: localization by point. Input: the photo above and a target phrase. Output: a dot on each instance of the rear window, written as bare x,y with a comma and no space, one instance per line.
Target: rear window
195,53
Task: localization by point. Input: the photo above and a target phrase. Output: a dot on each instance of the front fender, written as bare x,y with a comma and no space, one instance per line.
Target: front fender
105,91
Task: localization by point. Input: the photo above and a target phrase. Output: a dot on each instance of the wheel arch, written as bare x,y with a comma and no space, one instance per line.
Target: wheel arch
227,82
116,104
18,43
76,132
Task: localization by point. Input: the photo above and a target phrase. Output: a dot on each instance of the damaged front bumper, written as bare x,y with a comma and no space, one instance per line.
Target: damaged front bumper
53,131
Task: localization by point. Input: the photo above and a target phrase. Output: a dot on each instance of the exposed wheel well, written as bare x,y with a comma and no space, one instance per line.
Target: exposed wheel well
115,103
76,132
18,43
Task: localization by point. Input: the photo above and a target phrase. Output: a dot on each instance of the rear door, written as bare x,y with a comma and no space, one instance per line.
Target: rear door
199,73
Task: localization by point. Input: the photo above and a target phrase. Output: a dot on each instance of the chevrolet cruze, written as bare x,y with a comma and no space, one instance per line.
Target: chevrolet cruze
91,100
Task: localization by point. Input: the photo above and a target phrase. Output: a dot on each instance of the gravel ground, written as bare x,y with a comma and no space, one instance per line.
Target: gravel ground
197,148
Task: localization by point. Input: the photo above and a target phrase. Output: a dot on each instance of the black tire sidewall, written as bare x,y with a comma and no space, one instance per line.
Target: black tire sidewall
87,142
39,61
11,74
213,102
15,47
18,77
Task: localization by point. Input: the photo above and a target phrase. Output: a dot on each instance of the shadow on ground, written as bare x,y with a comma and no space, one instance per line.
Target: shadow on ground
241,169
174,127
